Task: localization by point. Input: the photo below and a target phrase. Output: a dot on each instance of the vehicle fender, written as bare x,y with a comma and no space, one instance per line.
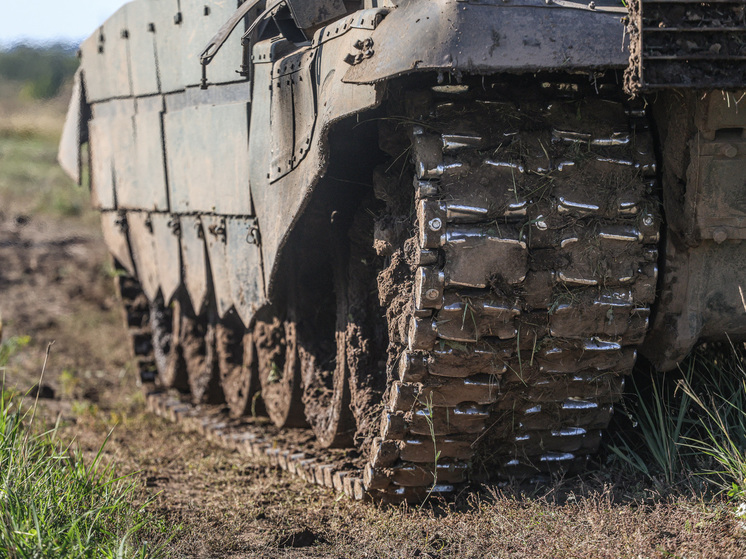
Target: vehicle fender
494,36
279,197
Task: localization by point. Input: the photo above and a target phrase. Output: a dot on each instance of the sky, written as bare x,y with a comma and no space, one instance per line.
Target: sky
47,21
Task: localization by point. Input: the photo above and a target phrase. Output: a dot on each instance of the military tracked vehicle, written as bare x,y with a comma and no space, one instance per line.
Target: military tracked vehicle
435,232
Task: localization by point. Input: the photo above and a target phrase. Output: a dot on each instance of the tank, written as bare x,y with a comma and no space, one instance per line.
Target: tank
435,233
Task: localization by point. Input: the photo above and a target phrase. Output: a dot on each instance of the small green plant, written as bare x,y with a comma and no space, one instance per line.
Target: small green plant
662,421
69,382
11,346
255,403
53,504
275,373
469,308
720,396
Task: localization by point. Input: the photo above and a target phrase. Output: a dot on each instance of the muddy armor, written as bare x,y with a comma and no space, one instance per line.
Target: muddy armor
435,233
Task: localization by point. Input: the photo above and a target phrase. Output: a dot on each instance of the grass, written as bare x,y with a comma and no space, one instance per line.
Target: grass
429,418
661,418
688,430
32,181
720,400
53,503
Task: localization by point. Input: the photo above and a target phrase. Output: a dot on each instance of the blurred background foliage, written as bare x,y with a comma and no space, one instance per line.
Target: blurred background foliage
41,69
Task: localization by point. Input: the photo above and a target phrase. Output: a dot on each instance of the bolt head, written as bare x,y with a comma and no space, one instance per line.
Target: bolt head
647,220
730,151
436,224
719,235
432,294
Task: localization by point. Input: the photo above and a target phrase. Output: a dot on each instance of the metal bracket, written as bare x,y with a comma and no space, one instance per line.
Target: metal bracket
366,51
254,236
121,221
219,231
217,42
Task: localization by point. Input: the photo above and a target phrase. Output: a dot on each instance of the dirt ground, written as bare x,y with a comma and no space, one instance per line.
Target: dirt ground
56,285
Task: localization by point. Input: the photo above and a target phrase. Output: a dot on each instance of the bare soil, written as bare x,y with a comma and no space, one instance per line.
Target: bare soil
55,285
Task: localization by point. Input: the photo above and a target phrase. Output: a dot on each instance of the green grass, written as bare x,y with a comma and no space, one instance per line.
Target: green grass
720,400
54,503
661,421
689,428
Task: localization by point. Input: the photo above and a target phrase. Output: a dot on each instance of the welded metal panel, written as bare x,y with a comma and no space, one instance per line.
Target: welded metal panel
281,133
168,20
178,157
124,159
143,252
194,261
141,29
93,66
304,107
114,225
105,60
202,19
167,253
215,237
208,164
244,262
117,54
102,178
151,190
277,205
225,167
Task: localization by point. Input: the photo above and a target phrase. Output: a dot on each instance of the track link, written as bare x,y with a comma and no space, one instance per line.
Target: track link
532,271
136,312
294,451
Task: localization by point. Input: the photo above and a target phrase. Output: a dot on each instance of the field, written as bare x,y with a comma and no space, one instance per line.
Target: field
56,286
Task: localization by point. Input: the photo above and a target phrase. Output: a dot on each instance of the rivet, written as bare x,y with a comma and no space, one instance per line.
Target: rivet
432,294
647,220
719,235
435,224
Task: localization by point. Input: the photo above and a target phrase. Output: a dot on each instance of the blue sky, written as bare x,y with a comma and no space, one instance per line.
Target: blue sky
45,21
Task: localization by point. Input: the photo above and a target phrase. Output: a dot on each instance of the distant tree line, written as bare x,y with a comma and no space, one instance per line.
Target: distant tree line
42,69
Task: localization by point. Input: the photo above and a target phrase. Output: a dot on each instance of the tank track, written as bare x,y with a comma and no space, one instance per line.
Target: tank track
529,290
136,311
524,284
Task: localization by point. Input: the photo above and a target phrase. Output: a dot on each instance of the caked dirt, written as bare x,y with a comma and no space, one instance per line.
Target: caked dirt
691,43
56,285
